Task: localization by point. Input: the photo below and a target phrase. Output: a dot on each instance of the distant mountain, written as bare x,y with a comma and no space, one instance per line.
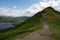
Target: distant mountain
34,23
6,19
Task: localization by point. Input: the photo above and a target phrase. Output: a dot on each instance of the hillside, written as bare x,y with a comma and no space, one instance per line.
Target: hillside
34,23
53,18
28,26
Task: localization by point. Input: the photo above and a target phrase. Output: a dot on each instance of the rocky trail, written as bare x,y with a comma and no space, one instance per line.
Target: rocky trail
43,34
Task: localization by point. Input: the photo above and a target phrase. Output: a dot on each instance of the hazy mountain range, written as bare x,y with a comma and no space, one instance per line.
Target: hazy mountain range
7,19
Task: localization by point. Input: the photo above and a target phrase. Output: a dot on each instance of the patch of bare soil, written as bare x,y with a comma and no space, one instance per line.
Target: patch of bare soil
43,34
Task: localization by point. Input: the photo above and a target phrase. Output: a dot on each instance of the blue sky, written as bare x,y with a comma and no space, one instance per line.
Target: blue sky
16,8
20,4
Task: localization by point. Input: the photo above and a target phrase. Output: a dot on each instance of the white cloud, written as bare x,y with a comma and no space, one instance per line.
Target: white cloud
43,4
30,11
13,13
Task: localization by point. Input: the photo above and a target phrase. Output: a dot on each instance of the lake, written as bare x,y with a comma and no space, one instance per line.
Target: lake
5,26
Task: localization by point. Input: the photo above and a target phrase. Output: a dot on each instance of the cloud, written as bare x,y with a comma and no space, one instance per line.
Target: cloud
33,9
11,13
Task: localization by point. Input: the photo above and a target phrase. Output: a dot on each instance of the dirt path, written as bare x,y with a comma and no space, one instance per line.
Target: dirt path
43,34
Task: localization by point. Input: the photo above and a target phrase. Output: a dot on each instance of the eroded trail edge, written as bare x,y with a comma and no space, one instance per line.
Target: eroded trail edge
43,34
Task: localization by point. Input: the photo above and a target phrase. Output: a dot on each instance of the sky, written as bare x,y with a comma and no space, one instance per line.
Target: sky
16,8
20,4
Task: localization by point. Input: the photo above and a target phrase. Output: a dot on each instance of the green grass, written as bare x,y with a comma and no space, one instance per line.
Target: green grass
55,27
54,22
37,26
28,26
53,18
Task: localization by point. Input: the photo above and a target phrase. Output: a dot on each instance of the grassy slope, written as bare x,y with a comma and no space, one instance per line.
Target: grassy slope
28,26
54,21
